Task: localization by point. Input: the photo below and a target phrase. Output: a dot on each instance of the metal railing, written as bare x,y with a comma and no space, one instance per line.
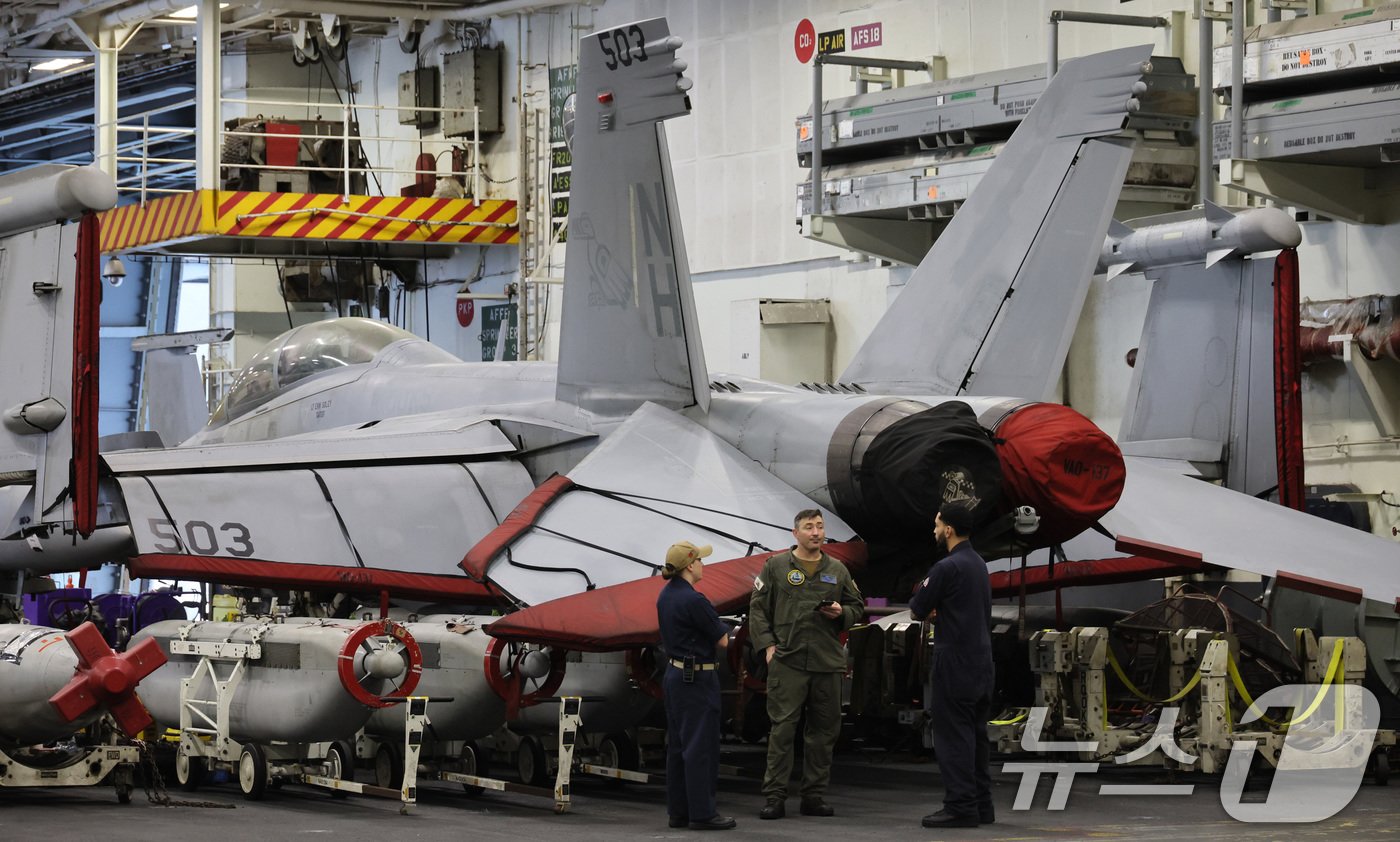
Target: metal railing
148,157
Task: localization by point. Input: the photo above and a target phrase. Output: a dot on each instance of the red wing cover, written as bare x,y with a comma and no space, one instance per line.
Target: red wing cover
270,574
624,615
1069,574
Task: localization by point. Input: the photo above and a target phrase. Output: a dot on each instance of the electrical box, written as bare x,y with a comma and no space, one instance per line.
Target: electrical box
418,89
783,340
471,78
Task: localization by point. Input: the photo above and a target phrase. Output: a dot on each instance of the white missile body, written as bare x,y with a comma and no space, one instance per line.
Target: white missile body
53,683
296,689
611,699
41,195
1189,237
35,663
454,657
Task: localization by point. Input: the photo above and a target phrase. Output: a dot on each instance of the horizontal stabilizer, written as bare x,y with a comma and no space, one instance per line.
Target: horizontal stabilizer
624,615
657,479
1187,518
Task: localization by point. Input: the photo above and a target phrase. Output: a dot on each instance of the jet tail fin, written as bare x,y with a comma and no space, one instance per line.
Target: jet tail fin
49,298
629,332
1017,259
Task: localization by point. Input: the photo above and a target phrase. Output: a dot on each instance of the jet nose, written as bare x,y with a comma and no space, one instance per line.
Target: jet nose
1058,461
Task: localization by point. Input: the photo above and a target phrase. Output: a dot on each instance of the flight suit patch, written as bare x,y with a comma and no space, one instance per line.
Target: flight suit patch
795,577
828,578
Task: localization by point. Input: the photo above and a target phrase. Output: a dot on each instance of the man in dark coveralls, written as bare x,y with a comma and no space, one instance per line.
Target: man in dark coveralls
959,590
801,601
690,632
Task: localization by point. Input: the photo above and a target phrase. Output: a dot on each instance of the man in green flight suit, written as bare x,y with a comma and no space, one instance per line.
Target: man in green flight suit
801,601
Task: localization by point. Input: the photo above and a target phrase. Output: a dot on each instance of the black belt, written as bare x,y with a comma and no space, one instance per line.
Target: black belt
680,665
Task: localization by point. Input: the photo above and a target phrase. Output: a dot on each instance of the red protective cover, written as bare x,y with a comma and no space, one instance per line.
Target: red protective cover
273,574
1068,574
520,519
282,150
623,616
1288,396
87,320
1056,460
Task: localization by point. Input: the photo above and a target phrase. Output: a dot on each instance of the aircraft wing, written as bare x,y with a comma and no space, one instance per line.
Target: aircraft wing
624,615
330,509
657,479
439,435
1173,518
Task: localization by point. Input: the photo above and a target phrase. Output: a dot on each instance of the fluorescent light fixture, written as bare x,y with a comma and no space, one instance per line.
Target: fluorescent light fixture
191,12
58,63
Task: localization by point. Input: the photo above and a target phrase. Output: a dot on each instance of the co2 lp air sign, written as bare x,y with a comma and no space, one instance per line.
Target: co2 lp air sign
807,42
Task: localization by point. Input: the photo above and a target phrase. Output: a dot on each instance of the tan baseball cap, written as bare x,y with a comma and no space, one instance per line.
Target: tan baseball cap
681,554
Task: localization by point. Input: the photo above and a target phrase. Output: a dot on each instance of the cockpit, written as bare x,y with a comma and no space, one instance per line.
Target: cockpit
301,353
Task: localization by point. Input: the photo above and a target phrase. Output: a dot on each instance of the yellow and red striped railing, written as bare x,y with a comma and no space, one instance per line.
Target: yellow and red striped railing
308,216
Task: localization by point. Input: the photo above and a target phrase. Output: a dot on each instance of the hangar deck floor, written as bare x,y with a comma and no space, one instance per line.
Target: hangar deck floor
876,796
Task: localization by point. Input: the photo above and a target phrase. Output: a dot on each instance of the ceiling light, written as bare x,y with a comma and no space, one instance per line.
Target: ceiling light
58,63
191,12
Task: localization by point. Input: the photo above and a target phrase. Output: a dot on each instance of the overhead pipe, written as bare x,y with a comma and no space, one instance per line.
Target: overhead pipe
1205,82
415,11
120,13
1237,79
1052,52
1373,322
56,18
140,13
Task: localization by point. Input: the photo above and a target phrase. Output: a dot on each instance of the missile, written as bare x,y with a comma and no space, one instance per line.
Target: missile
481,674
612,701
54,683
304,680
34,198
1190,236
455,649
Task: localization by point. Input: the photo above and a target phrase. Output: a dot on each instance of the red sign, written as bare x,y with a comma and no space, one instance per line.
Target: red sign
866,35
466,311
804,41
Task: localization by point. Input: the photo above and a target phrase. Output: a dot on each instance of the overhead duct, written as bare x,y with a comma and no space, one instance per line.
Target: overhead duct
1372,321
417,11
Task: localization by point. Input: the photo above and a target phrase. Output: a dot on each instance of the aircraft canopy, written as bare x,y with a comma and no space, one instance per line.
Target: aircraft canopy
303,352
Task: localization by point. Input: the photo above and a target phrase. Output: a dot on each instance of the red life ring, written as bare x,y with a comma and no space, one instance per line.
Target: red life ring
345,665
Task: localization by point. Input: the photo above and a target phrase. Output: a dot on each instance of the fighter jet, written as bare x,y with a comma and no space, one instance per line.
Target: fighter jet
350,456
